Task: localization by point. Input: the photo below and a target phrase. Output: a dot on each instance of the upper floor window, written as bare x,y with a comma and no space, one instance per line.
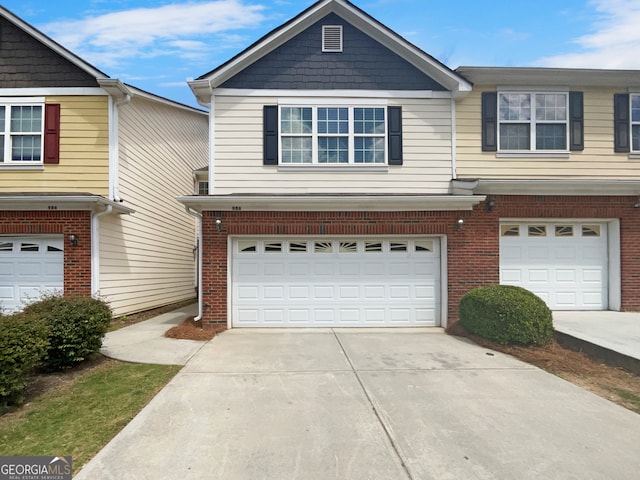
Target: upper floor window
333,135
21,133
203,188
530,123
635,122
533,121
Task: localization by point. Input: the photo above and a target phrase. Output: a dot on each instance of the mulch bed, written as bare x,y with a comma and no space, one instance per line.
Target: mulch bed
192,330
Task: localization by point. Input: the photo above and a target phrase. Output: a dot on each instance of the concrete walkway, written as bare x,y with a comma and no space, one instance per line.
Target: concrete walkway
145,342
368,405
613,337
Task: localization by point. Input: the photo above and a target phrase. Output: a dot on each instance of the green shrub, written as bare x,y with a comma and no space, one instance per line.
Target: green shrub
23,344
76,328
507,315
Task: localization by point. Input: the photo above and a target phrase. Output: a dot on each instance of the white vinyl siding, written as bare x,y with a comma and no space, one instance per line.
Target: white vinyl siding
597,161
238,168
147,258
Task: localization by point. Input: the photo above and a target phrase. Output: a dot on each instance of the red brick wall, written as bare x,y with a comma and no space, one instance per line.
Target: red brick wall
77,260
472,253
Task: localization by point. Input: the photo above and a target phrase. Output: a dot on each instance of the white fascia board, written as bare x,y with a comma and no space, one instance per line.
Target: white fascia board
60,203
425,94
331,203
51,91
558,187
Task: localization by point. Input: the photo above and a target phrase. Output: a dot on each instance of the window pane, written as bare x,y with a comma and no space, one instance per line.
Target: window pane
26,119
295,120
369,150
551,137
551,107
333,150
1,148
635,108
514,136
635,137
333,120
296,149
25,148
2,118
515,106
368,120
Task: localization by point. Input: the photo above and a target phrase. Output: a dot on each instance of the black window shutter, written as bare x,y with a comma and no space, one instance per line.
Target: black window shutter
51,133
489,121
576,121
621,122
394,121
270,133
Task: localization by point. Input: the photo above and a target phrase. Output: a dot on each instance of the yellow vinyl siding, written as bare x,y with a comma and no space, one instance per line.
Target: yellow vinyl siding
147,258
597,161
84,152
238,153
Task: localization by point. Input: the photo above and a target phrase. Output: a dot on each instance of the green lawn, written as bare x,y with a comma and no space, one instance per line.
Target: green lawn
81,416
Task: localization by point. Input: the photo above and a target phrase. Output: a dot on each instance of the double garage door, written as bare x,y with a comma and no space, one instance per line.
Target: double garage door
29,267
335,282
564,263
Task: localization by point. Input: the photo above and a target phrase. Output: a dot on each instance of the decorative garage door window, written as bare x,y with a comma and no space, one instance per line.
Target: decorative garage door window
336,246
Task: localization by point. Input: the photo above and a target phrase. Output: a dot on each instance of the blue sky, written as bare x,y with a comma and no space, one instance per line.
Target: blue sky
158,45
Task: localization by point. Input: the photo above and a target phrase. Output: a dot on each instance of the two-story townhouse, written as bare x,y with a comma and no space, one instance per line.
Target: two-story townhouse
89,172
556,153
330,194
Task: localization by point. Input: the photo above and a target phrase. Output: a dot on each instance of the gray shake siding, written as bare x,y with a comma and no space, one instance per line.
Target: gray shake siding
27,63
364,64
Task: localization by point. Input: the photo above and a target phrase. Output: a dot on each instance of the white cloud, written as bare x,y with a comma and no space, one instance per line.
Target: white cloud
614,42
178,28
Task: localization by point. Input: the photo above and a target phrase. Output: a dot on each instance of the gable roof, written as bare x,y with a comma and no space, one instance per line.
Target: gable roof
203,85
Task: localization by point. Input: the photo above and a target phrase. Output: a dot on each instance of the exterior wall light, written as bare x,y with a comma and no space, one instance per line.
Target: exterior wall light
491,202
459,224
73,239
218,225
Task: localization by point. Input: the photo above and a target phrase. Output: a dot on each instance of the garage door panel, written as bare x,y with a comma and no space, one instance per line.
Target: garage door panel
29,267
336,283
566,267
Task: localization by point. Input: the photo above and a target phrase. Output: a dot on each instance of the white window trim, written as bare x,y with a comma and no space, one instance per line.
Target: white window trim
5,131
315,135
533,122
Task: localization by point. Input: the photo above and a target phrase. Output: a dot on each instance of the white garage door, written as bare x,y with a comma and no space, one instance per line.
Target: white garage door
29,267
563,263
335,282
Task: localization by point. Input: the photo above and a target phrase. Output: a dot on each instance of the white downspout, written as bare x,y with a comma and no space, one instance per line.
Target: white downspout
454,167
114,145
95,250
212,146
199,238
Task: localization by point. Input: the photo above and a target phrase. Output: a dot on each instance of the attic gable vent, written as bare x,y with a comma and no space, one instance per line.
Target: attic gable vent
332,38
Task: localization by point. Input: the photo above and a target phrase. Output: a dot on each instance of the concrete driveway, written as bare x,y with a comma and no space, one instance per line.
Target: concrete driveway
368,404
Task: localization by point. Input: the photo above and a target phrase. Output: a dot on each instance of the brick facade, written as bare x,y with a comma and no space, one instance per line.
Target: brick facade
472,253
77,260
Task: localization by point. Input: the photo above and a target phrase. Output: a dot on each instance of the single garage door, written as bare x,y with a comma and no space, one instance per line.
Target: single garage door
335,282
564,263
29,267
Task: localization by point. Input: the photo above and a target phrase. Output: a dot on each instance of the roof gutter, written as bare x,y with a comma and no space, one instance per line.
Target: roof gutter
335,203
60,202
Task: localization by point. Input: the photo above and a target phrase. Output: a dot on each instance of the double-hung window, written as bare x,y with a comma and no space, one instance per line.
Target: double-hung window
21,133
635,122
333,135
533,121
